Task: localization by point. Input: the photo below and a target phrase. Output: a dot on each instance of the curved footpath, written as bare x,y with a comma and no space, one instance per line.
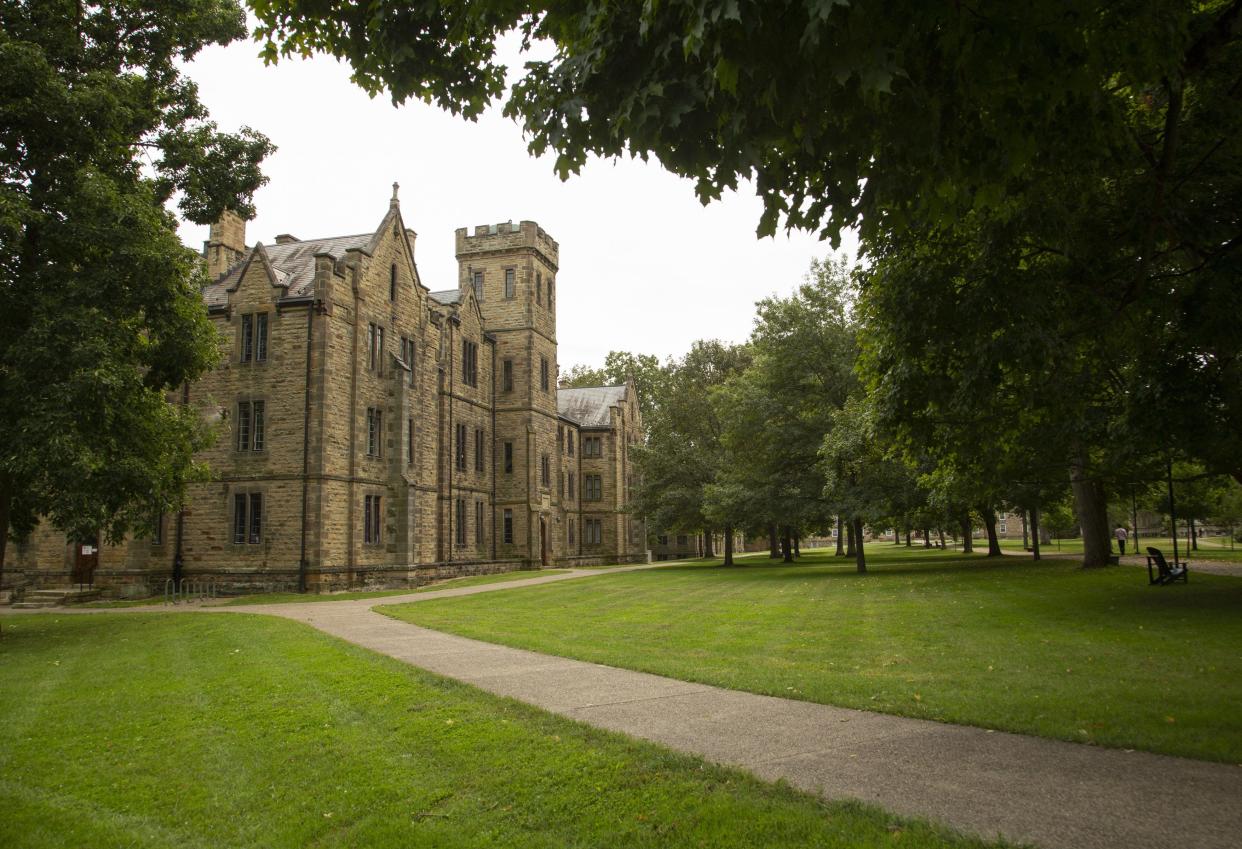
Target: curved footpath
1054,794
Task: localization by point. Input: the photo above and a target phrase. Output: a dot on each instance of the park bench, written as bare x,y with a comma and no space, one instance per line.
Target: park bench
1163,573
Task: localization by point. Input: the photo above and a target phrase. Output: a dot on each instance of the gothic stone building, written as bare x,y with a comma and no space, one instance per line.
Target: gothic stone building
374,431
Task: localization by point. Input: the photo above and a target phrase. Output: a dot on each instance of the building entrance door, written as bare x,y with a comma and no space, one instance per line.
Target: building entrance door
85,559
543,541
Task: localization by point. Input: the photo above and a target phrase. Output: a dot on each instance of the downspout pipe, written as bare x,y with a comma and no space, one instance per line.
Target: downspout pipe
491,340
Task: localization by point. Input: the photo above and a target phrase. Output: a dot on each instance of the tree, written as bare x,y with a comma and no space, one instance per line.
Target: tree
100,314
1099,145
777,411
683,456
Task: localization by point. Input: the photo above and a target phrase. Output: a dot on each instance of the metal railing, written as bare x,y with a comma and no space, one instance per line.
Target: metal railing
188,590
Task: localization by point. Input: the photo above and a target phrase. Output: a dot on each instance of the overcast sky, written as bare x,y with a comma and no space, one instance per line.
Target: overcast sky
644,266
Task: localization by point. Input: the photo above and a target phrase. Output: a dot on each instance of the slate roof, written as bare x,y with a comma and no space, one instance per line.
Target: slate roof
447,296
292,264
589,407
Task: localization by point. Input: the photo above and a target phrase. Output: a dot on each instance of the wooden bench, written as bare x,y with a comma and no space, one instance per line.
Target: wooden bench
1163,573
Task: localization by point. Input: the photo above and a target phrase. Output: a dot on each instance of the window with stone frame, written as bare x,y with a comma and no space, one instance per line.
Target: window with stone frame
543,373
375,348
538,288
157,531
409,442
253,337
375,432
469,363
570,435
461,448
510,284
260,337
247,518
247,337
478,285
407,355
508,458
371,521
460,530
507,529
478,449
251,427
545,471
571,485
549,293
506,379
592,488
392,283
592,446
478,523
593,531
572,523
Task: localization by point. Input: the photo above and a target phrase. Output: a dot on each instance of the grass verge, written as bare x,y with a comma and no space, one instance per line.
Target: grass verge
1050,649
149,730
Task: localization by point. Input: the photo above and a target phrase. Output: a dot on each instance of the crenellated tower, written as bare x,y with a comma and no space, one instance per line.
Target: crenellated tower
512,269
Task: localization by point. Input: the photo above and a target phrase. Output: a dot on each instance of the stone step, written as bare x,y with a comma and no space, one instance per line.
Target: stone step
33,605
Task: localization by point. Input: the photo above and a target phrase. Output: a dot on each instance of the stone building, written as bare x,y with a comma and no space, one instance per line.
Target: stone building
372,431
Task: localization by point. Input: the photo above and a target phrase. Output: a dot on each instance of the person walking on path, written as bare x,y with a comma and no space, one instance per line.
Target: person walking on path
1122,535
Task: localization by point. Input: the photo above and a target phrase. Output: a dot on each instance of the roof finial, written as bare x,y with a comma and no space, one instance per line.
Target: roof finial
395,187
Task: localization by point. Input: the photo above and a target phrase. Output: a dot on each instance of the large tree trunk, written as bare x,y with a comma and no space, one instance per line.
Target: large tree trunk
1035,532
728,545
907,536
942,544
786,545
1194,536
849,538
1092,509
1026,533
840,537
968,541
860,557
989,522
774,550
709,544
797,541
6,501
926,537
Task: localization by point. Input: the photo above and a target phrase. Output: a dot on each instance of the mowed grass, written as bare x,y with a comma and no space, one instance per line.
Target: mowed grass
1047,648
215,730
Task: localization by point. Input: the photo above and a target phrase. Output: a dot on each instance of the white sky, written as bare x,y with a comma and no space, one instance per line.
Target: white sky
644,266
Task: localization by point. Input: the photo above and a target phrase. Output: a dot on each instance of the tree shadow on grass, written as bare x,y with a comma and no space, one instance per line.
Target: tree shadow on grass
840,568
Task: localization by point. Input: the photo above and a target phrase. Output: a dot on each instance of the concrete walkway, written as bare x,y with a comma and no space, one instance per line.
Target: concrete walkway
1026,789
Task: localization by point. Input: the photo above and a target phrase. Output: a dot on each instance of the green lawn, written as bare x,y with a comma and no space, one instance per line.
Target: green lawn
214,730
1039,648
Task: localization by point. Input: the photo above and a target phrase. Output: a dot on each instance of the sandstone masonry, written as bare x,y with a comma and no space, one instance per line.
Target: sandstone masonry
374,432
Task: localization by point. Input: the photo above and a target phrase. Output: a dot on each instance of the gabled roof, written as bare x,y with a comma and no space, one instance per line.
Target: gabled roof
292,265
589,407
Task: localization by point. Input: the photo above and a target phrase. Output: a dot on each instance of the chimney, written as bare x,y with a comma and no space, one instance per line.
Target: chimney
286,239
226,243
